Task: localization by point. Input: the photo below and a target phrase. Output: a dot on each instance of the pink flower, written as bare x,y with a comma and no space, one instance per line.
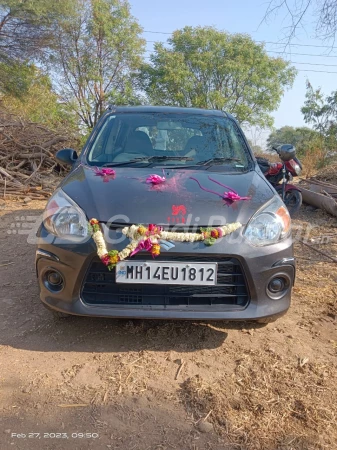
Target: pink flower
229,197
143,245
105,259
155,179
154,229
105,172
233,196
220,232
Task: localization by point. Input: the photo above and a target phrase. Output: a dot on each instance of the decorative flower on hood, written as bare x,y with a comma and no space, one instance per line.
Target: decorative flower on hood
230,196
106,173
233,196
155,179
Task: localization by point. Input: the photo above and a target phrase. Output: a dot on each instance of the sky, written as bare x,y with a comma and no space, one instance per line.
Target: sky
245,16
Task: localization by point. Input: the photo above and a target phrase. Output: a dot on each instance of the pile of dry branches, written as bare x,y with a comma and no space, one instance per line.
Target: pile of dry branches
28,167
328,174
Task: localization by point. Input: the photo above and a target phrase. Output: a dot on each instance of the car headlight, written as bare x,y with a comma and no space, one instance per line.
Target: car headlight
269,225
64,218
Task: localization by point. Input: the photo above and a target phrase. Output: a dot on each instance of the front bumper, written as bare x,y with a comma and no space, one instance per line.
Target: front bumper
259,266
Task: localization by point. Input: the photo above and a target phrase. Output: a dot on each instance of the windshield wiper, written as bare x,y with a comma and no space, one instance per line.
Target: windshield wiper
171,158
149,159
124,163
211,161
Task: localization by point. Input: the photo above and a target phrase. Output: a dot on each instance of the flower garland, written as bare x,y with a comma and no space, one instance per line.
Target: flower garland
148,239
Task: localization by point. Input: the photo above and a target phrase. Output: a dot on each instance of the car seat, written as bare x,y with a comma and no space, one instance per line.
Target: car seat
140,143
199,147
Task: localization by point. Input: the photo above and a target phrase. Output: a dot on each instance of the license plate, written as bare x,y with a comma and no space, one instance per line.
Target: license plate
166,273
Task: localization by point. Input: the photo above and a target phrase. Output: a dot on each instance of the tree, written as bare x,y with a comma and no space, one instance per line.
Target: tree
323,11
207,68
98,53
321,112
15,78
257,149
39,103
299,137
25,33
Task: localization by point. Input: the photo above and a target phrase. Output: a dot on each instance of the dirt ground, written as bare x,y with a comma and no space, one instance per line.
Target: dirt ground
125,384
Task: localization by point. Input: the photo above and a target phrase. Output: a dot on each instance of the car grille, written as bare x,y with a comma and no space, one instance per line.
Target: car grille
100,288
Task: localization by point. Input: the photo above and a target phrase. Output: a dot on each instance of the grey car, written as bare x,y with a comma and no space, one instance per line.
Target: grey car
165,214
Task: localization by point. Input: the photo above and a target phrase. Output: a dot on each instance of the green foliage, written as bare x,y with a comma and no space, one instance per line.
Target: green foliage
99,51
15,78
26,31
300,137
207,68
39,103
316,109
39,10
321,112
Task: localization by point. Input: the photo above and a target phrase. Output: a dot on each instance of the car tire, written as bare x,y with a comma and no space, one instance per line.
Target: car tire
293,202
57,314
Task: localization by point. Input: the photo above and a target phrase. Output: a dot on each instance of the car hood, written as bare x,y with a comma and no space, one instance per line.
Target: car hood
127,198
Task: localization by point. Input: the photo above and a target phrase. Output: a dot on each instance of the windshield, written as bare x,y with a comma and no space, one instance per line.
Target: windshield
159,139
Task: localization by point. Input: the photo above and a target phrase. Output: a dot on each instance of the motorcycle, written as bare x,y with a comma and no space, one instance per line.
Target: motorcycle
281,174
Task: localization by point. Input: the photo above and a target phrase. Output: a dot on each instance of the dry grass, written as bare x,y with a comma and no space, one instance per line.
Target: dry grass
269,403
313,159
281,394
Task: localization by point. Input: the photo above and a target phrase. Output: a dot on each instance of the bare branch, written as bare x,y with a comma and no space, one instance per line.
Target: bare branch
324,13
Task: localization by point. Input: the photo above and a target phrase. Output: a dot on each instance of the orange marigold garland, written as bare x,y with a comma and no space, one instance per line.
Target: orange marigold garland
155,250
94,225
142,230
144,238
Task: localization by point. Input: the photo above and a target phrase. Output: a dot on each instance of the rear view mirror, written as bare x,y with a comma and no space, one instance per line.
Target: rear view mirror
67,156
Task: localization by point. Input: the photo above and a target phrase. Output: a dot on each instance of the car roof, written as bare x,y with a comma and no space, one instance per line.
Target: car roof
167,109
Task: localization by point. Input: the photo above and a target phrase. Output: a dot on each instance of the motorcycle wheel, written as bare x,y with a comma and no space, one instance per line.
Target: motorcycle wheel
293,201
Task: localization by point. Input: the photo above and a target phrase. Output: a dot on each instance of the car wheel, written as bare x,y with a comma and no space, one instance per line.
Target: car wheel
293,201
57,314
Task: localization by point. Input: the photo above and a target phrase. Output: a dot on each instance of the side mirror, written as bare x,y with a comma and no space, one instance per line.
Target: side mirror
67,156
